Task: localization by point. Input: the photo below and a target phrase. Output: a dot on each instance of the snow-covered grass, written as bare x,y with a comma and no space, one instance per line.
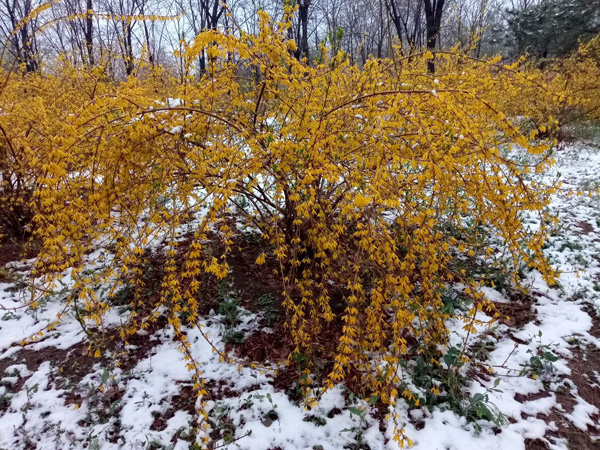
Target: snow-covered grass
54,396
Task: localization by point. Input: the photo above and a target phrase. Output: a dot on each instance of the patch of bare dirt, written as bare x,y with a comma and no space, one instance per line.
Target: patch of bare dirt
583,364
265,346
69,362
70,366
585,227
12,251
536,444
517,312
184,401
522,398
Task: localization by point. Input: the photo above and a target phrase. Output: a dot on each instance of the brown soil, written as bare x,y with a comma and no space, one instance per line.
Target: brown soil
11,251
517,312
184,401
583,364
70,365
522,398
265,347
586,228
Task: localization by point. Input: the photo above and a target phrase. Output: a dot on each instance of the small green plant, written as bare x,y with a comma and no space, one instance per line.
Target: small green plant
103,399
5,398
229,309
233,337
318,421
541,362
581,260
571,245
271,415
296,390
29,392
142,402
251,238
482,350
18,282
446,386
479,407
452,303
358,415
156,444
124,295
229,306
220,420
440,384
268,306
9,316
452,357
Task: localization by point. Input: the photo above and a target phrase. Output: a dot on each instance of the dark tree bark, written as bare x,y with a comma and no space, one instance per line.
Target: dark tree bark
433,18
142,8
302,30
415,34
128,48
394,12
211,12
89,32
22,36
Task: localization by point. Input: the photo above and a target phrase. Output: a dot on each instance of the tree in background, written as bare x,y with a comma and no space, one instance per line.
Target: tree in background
300,33
118,34
19,33
433,17
552,28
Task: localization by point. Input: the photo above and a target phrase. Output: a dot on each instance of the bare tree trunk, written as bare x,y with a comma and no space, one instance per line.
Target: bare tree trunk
211,12
89,32
415,34
394,13
128,44
302,34
22,35
433,18
146,33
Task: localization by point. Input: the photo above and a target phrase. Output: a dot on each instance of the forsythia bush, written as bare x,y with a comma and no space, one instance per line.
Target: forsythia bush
35,109
563,92
576,80
369,182
32,110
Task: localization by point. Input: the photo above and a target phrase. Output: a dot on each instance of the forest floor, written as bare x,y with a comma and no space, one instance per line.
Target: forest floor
544,392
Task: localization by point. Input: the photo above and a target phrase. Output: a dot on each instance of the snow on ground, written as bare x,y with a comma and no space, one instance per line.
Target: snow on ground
148,401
